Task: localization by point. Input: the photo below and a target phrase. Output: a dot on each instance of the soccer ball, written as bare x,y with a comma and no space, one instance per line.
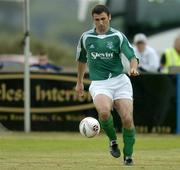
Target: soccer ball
89,127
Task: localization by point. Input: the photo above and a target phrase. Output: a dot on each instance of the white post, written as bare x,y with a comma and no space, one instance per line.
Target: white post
27,102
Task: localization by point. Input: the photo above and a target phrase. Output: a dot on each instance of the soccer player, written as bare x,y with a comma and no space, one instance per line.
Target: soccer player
101,49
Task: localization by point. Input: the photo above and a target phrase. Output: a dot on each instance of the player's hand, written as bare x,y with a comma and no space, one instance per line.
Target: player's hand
80,89
133,72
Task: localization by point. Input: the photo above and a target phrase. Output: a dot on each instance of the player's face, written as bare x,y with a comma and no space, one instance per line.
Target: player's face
101,22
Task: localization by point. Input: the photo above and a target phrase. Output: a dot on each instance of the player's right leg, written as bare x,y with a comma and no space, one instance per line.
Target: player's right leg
103,105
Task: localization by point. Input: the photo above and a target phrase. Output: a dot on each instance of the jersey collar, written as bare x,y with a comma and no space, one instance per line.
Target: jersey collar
108,32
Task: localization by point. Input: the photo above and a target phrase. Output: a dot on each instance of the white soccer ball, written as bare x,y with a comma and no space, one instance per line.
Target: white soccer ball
89,127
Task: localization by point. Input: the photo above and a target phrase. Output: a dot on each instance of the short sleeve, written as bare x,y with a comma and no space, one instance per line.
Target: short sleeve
81,51
127,49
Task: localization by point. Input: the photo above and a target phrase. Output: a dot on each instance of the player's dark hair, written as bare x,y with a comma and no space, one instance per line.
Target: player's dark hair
98,9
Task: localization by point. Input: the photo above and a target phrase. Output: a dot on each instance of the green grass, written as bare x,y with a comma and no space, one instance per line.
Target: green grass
70,151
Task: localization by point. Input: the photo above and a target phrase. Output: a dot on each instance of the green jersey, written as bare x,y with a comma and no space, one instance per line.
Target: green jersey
103,53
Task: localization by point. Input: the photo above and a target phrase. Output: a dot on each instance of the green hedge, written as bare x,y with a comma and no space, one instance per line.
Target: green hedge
58,53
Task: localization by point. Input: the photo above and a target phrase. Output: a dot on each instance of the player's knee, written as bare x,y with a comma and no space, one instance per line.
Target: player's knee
104,115
127,121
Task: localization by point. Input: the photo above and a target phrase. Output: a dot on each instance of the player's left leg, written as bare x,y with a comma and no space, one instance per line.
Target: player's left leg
125,109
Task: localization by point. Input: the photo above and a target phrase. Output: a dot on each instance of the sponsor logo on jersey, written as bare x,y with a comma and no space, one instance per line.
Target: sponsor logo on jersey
105,55
110,45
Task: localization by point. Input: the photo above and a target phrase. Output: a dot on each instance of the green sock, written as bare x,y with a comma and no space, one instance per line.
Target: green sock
129,140
108,127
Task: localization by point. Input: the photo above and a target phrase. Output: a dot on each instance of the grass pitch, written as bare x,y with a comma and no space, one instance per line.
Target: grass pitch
71,151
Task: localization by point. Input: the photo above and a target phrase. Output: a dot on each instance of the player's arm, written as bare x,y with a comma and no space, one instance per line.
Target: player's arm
81,66
133,67
128,51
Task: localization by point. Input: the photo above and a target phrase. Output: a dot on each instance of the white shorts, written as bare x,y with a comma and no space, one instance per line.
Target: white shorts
116,88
